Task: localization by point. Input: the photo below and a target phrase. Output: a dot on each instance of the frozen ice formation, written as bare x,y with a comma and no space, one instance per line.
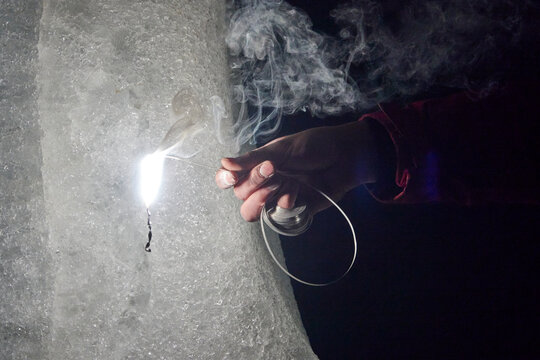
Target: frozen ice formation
26,266
87,90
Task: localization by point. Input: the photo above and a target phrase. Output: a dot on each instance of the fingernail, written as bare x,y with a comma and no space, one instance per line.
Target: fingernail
266,170
227,177
274,187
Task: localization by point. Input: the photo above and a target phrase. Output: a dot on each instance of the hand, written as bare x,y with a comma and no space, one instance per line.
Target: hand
333,159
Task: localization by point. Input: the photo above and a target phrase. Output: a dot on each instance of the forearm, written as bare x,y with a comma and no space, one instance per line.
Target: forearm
465,150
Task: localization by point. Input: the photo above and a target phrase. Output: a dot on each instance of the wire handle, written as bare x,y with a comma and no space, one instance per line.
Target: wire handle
263,212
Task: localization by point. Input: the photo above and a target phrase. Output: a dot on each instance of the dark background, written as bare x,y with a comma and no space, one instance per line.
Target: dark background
430,281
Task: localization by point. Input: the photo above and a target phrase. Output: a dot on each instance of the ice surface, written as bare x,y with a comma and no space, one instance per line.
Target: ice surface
26,268
76,281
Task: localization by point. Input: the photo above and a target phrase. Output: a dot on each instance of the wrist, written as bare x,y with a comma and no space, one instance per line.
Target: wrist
361,153
385,153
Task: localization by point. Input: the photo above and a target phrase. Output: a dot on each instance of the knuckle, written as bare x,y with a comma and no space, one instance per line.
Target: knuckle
255,178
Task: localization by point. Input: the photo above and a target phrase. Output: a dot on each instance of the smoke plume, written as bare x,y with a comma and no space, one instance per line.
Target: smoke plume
281,65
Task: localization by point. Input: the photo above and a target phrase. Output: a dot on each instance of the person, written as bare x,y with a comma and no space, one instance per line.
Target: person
464,149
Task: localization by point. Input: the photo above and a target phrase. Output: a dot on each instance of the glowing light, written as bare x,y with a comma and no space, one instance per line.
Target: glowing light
151,171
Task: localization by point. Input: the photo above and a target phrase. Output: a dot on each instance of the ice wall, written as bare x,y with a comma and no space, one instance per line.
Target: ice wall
76,282
26,267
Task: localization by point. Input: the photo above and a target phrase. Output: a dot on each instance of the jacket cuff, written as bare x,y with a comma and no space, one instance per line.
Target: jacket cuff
416,171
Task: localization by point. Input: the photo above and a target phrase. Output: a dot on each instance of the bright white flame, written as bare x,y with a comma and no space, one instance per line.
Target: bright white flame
151,171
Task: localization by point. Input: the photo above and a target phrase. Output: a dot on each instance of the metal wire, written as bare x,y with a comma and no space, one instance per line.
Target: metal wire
291,275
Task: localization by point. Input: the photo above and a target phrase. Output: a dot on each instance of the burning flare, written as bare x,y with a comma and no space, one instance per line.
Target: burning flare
151,171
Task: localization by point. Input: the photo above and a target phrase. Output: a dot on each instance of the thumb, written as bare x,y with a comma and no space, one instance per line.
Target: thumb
251,159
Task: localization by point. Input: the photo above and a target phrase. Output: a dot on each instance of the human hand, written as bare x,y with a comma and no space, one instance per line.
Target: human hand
333,159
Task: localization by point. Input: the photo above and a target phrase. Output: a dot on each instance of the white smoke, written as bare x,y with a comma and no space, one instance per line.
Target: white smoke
281,65
284,66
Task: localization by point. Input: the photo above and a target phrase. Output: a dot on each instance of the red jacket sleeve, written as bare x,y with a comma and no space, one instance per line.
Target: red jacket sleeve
464,149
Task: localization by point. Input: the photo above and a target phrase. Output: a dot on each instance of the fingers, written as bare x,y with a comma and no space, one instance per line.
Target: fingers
288,194
254,179
257,187
282,189
245,183
251,208
255,184
225,179
251,159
